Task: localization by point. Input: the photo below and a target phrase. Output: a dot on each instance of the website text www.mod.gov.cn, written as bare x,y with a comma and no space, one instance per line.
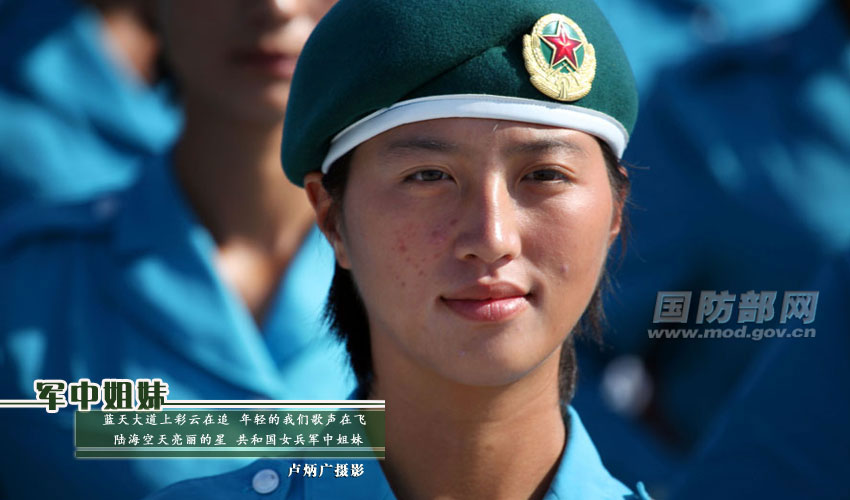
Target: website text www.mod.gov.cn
743,332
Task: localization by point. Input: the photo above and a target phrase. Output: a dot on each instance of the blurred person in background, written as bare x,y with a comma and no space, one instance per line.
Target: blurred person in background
745,148
82,102
462,159
207,272
784,433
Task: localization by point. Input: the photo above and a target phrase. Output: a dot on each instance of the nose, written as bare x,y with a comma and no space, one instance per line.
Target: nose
489,228
286,8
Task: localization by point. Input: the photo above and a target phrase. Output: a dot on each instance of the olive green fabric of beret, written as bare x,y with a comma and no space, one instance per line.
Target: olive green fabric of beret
367,55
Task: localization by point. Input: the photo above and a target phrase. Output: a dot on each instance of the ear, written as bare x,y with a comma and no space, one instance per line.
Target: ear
327,216
617,217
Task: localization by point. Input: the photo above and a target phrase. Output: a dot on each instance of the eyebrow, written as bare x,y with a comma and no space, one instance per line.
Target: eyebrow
537,146
414,144
545,146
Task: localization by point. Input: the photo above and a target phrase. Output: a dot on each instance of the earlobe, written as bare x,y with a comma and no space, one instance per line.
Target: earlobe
319,197
327,220
616,223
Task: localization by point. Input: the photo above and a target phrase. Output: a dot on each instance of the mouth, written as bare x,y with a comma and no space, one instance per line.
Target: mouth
275,63
488,303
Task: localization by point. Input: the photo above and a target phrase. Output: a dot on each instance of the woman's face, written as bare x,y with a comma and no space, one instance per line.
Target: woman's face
476,244
238,54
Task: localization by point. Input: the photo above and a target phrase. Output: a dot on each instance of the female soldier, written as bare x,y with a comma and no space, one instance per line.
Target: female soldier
470,186
207,273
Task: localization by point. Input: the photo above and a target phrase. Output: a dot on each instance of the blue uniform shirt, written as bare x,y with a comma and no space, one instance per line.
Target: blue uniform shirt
658,33
745,188
125,287
73,121
580,476
736,200
785,433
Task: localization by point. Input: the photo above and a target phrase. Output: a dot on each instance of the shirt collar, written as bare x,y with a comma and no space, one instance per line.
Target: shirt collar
581,474
58,37
163,254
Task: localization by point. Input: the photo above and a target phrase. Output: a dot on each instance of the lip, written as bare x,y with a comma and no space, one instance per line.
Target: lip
488,303
276,63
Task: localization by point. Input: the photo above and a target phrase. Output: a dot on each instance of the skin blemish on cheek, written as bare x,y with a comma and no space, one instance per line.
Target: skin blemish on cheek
565,269
442,232
397,278
437,236
402,236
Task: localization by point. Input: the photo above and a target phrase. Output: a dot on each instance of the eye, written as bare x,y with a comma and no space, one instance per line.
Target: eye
547,175
428,175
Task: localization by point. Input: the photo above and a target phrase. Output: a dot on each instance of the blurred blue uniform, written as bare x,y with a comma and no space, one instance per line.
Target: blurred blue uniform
580,476
785,434
745,189
659,33
73,122
125,287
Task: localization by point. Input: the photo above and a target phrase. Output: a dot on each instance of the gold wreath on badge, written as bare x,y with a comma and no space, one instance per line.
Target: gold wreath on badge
560,60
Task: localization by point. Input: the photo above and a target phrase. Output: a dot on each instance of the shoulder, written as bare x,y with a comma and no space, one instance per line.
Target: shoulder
287,479
261,477
51,241
43,244
29,221
151,198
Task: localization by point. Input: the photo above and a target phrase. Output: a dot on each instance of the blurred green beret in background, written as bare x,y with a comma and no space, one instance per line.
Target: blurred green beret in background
372,65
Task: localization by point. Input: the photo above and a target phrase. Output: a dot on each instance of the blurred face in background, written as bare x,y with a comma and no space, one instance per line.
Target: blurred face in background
238,55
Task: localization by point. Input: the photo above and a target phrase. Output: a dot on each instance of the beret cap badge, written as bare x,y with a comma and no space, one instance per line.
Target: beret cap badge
559,58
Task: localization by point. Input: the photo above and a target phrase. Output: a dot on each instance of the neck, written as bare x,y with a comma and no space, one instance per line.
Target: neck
446,440
230,171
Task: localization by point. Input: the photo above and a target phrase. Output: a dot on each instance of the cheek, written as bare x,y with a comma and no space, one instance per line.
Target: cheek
400,242
193,44
298,30
574,244
318,8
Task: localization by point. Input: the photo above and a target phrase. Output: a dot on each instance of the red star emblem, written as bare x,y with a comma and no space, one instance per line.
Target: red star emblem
563,47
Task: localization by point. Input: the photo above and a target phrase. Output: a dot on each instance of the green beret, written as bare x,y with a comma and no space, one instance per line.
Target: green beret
372,65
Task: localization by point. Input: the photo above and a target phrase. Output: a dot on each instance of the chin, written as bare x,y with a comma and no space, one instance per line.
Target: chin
491,367
259,104
264,111
491,378
277,97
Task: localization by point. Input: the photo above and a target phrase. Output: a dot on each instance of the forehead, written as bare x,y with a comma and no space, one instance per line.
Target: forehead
458,135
